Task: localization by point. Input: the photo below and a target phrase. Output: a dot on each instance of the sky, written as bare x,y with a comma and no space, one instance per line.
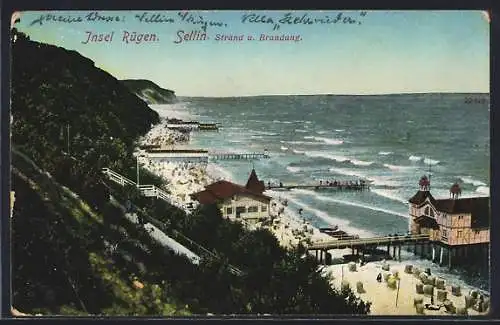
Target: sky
377,52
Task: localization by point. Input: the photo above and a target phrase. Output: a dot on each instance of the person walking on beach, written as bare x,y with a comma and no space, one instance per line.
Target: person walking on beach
379,277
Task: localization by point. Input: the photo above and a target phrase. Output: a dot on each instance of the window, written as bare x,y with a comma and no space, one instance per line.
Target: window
253,209
263,208
459,234
241,210
229,210
444,234
427,211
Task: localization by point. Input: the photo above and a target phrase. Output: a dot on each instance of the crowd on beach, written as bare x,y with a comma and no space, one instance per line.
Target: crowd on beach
161,136
372,281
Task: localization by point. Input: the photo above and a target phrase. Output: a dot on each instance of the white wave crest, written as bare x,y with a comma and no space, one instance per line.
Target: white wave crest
348,172
320,154
470,180
264,132
384,181
385,153
329,141
483,190
361,162
343,224
390,194
359,205
293,169
284,148
429,161
397,168
415,158
300,142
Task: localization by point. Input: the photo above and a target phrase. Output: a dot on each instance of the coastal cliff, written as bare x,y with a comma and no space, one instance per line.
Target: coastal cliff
150,92
69,120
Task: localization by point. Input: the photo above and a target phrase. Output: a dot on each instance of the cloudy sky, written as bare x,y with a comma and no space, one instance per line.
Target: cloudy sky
382,52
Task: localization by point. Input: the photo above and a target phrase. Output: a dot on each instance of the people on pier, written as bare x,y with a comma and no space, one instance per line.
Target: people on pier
281,184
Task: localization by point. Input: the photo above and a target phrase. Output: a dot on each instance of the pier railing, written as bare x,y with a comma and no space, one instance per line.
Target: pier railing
237,156
339,186
146,190
117,178
374,241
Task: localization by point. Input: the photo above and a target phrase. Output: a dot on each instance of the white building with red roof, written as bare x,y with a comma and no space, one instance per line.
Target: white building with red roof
247,203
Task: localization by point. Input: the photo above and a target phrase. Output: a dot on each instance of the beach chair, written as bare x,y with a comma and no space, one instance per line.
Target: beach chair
433,307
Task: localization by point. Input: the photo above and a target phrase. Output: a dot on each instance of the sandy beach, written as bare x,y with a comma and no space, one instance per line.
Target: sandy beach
383,298
182,179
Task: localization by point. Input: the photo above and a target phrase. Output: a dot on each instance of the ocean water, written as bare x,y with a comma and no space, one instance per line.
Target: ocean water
388,140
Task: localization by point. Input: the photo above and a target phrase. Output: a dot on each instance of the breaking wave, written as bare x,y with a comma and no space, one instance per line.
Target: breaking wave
470,180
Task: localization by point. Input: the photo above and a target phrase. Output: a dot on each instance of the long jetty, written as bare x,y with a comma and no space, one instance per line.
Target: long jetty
364,244
155,151
191,125
238,156
352,186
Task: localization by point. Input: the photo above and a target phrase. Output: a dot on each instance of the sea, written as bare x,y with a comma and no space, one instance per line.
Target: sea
388,140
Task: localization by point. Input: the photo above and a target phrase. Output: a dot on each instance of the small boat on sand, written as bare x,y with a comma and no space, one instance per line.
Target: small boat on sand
329,229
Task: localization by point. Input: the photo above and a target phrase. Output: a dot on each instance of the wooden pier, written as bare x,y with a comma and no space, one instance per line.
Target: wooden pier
191,125
340,186
360,245
208,127
238,156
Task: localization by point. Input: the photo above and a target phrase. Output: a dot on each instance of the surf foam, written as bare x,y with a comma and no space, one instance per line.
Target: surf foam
359,205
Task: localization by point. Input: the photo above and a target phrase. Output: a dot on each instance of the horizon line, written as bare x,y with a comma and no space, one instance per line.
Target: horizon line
333,94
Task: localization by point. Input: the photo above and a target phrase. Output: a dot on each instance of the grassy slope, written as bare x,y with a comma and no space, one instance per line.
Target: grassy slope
77,274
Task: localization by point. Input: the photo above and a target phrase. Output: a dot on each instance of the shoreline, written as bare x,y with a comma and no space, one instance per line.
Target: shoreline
186,178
